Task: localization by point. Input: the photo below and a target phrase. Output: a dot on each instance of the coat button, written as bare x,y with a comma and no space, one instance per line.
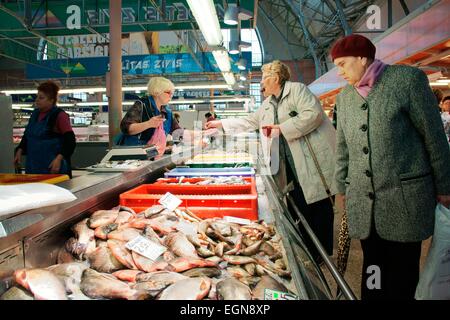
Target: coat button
364,106
368,173
364,127
371,195
365,150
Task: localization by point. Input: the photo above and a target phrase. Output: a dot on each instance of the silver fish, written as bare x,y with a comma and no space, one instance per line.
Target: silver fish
188,289
232,289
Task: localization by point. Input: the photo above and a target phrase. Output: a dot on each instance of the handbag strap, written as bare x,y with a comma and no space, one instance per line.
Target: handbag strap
316,162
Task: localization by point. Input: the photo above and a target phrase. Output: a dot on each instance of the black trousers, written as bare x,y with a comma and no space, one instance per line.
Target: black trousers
320,217
399,266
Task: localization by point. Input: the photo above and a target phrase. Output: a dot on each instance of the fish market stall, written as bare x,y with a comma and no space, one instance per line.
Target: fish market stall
98,248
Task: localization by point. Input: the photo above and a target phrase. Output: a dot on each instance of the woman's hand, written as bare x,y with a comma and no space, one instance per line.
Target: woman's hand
55,165
339,202
18,158
155,121
271,131
213,124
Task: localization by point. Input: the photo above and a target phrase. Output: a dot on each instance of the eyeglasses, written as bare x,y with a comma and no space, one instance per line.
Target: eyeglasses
170,93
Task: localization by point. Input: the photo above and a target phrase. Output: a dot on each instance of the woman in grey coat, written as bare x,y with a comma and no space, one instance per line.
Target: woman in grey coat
289,114
392,165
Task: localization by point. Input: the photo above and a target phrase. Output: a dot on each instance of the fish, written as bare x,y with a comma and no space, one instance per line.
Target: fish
65,256
185,263
103,231
127,275
123,217
267,282
238,259
102,260
161,276
153,211
70,274
16,293
126,209
267,264
42,283
85,239
102,218
204,252
121,253
280,264
180,245
267,248
237,272
250,281
232,289
223,228
220,248
260,270
187,289
147,265
124,234
100,285
250,268
237,246
214,259
203,272
151,234
153,223
251,250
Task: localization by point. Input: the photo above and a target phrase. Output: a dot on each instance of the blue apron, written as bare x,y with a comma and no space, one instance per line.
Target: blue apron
43,145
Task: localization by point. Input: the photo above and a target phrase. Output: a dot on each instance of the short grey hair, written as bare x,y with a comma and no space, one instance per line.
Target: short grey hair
158,85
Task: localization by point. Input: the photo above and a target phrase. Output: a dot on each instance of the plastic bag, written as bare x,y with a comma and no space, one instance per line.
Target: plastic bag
434,281
159,140
21,197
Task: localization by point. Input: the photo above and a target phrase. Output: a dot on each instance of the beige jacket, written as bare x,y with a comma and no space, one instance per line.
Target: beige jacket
310,120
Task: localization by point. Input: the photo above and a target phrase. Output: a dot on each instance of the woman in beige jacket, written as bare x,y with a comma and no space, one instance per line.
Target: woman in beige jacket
288,115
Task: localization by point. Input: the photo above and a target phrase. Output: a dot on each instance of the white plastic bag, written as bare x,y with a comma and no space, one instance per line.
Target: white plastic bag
21,197
434,282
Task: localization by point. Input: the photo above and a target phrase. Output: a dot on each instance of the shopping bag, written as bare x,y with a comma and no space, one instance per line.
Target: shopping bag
434,281
159,140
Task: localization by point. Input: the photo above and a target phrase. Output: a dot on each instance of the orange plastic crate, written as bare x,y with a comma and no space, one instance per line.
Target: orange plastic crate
205,201
167,185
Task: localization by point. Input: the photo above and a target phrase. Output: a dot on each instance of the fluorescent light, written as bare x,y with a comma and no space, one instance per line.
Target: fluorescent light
222,60
202,86
186,101
25,91
441,84
229,78
443,80
205,14
81,90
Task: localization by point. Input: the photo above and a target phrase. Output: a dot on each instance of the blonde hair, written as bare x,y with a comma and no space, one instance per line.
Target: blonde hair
278,68
158,85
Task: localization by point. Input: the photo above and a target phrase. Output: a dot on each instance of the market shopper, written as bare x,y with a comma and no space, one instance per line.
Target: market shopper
289,117
445,116
150,115
210,116
391,165
48,141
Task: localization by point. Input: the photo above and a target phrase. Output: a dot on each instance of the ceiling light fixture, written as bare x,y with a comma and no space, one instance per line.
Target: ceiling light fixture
234,13
222,60
205,14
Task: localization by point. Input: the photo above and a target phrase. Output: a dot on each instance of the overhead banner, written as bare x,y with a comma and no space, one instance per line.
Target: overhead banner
58,17
131,65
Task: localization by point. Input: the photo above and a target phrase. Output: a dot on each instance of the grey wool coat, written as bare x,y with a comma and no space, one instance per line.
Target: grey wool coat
300,114
392,157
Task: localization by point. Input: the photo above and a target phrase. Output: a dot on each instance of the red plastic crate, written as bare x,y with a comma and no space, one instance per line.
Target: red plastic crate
205,201
166,185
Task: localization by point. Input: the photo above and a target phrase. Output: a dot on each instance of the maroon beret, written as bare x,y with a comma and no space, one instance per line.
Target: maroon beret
354,45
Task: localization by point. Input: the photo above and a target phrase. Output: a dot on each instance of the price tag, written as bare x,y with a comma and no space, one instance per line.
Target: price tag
270,294
236,220
169,201
145,247
187,228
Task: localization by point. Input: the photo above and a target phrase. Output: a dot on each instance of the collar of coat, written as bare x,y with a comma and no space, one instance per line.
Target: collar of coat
285,92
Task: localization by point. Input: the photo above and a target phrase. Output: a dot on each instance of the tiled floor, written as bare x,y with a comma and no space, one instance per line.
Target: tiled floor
354,266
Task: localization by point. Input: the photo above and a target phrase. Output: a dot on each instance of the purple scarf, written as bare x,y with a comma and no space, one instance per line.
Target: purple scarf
370,77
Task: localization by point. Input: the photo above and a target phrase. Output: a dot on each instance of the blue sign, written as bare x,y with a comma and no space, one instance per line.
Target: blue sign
138,64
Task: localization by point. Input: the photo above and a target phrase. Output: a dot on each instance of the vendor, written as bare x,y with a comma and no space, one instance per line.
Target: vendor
48,140
148,113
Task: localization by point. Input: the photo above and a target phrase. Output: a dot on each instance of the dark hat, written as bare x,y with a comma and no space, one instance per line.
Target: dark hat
354,45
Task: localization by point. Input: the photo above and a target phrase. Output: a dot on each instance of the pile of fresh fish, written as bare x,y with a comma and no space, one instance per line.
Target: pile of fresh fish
231,180
203,259
121,164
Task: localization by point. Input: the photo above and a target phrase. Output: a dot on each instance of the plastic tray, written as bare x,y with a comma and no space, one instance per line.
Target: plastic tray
8,178
205,164
204,202
210,172
164,185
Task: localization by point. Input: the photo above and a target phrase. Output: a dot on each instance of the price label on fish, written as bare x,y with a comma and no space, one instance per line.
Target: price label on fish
169,201
236,220
270,294
145,247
